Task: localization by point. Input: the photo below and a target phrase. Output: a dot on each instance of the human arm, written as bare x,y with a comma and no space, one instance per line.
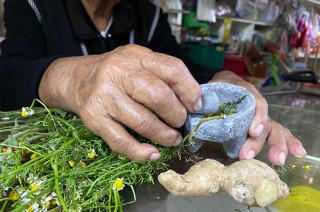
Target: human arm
22,69
130,86
263,128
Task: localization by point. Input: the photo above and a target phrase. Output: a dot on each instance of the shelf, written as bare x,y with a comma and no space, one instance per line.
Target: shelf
314,2
258,23
311,56
175,11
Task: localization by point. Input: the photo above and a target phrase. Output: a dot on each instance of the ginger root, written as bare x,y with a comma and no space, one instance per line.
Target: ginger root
251,182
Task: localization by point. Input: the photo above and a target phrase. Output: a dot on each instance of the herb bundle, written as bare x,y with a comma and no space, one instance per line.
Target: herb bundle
49,161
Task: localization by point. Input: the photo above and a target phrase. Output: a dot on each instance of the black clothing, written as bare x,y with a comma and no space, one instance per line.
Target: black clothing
40,31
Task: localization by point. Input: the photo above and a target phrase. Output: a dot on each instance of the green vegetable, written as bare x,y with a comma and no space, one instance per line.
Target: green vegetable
50,160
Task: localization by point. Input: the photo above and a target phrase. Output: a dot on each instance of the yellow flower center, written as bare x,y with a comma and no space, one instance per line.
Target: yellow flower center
306,167
82,165
14,195
33,156
72,163
30,208
34,187
53,202
92,154
118,184
47,204
24,114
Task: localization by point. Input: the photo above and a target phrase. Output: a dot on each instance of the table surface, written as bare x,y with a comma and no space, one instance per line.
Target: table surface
298,112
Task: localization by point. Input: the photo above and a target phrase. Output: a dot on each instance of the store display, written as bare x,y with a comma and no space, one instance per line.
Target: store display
225,8
206,10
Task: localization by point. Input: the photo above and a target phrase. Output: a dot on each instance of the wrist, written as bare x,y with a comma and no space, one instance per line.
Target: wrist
59,83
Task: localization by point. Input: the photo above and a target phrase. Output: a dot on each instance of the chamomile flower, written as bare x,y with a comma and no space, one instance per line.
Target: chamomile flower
26,200
118,184
8,149
26,112
82,165
92,154
36,185
34,207
50,201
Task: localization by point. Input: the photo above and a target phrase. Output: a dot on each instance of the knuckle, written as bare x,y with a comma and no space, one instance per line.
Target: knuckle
128,47
167,142
178,118
143,124
251,87
160,94
116,144
195,93
133,48
176,66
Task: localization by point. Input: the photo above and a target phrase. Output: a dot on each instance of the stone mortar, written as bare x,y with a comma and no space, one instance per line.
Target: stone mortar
231,131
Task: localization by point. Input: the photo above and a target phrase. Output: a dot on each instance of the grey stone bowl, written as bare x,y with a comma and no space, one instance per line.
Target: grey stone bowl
231,131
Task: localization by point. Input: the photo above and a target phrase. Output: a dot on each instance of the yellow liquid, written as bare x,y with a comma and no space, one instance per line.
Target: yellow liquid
300,199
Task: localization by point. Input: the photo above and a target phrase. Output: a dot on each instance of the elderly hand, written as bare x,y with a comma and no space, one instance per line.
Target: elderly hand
131,86
280,140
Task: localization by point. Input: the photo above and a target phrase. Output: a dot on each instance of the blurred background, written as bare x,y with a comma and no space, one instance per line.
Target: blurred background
1,20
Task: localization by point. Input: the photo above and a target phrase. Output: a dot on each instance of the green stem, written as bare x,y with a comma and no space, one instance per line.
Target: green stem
39,159
116,198
5,204
106,173
56,181
193,132
109,200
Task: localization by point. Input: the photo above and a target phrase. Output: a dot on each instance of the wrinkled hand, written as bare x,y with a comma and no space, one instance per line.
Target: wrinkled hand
131,86
280,139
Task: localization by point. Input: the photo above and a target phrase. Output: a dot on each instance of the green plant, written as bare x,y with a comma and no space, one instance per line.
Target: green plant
50,161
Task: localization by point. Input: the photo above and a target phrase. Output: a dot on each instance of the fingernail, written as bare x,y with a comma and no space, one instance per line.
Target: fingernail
178,142
282,158
198,106
154,156
258,130
303,149
251,154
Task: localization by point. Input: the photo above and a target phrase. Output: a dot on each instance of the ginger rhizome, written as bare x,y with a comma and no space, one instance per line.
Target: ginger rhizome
251,182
